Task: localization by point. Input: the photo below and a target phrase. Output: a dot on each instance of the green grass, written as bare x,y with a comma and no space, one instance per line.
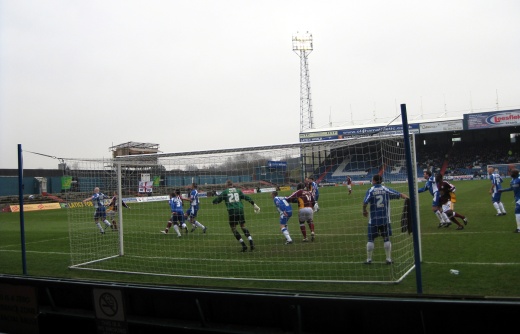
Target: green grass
485,253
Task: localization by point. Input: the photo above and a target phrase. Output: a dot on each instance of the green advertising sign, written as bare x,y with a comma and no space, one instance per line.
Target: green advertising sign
156,181
66,182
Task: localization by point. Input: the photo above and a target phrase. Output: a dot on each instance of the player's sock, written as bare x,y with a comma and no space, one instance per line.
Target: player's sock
304,231
501,206
497,207
439,216
370,250
388,249
176,228
168,227
286,234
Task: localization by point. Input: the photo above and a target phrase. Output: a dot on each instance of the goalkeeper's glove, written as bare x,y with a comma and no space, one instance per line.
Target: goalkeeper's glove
316,207
257,208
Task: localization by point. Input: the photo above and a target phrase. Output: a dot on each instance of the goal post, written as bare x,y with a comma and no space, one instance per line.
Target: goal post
336,255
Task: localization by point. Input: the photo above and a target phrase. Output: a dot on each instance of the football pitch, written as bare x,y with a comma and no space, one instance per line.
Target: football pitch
485,252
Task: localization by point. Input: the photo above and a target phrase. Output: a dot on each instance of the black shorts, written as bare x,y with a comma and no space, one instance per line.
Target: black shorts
236,217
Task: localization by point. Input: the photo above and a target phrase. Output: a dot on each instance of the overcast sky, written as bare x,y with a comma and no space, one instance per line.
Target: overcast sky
77,76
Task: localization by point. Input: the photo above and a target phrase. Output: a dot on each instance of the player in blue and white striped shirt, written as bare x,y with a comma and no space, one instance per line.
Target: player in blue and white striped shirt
98,201
194,208
379,196
515,188
285,210
496,185
177,214
433,188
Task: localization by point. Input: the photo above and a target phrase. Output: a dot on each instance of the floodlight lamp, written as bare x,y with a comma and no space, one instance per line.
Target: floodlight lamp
302,42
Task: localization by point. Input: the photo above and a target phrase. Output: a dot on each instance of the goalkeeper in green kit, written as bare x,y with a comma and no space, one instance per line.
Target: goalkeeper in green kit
233,198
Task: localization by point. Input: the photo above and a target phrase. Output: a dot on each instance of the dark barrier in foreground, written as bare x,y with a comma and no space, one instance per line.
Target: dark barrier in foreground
38,305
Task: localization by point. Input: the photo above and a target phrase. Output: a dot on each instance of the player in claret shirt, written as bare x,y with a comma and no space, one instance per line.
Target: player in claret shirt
348,182
312,186
113,208
448,199
431,186
306,204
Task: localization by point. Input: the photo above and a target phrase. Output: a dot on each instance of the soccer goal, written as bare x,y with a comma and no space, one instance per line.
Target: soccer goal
337,254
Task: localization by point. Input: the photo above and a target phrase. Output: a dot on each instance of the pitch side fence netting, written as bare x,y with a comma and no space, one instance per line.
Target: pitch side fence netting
144,182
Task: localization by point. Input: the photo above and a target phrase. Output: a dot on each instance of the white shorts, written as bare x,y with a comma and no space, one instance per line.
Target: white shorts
305,214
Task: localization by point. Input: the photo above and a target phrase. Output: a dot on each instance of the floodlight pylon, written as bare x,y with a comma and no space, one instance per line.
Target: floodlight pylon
302,46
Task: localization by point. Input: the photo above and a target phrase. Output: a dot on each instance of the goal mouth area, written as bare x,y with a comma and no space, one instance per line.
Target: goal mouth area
336,256
96,266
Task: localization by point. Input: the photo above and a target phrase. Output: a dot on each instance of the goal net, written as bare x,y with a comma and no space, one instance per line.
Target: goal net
144,183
